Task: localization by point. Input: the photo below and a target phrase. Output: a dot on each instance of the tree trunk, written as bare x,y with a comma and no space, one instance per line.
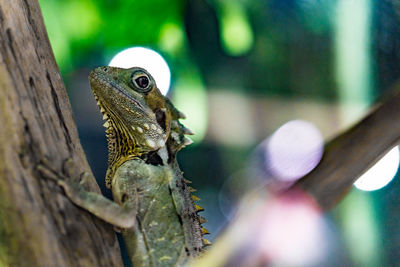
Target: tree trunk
39,225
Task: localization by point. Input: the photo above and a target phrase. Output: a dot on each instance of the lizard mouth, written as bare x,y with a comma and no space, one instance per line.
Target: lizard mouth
98,82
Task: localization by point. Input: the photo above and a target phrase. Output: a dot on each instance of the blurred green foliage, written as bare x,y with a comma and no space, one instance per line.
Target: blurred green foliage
78,28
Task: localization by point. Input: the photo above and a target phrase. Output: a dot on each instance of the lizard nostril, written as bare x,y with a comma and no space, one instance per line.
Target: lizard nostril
105,69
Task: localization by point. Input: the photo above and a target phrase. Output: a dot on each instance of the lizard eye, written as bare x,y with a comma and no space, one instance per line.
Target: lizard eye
141,81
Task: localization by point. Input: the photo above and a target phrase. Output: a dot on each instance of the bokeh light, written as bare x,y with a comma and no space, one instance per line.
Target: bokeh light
381,173
360,228
148,59
294,150
293,231
172,38
236,32
190,97
353,58
273,230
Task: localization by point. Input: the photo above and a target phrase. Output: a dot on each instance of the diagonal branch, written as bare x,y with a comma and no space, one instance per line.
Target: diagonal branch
353,152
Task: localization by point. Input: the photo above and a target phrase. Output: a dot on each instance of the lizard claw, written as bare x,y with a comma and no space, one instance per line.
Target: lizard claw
50,173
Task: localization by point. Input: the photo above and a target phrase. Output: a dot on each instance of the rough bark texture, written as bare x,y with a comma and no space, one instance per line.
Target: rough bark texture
39,226
353,152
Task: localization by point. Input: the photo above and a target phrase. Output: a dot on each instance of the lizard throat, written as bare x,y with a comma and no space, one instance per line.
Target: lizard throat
121,144
121,147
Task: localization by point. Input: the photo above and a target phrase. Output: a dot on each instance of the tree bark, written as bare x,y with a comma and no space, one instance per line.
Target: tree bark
39,226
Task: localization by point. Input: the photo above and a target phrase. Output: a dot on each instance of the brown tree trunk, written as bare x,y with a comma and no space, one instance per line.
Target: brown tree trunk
39,226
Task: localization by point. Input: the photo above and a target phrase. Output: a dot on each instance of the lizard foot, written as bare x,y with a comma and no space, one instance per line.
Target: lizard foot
63,178
70,171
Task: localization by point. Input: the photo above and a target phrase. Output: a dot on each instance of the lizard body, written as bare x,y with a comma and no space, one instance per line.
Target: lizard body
153,204
144,135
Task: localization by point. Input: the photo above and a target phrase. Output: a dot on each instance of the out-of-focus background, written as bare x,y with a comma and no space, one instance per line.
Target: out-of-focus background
239,70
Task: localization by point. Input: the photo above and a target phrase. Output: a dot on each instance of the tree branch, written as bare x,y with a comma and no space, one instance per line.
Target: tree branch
353,152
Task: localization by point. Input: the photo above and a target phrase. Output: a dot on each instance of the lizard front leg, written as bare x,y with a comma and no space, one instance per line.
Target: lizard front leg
123,216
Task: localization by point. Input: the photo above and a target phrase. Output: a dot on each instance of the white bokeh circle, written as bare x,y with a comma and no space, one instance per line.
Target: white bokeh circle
148,59
294,150
381,173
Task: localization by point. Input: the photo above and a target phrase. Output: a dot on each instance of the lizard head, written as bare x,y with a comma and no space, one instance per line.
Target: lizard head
139,119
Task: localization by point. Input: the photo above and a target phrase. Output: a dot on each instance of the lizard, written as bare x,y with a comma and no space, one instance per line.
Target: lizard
153,204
